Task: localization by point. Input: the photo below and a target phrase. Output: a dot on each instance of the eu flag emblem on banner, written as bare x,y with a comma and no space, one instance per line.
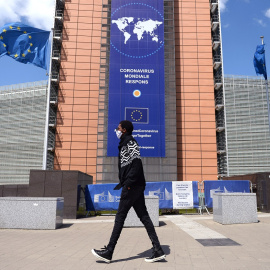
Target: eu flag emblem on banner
137,115
259,61
24,43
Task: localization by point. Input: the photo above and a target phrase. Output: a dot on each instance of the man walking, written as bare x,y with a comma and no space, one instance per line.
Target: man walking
132,182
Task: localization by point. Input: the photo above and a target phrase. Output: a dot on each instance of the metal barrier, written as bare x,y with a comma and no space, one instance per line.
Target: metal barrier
172,195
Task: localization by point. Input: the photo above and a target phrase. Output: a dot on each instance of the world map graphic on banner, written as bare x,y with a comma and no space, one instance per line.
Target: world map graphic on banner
134,25
139,27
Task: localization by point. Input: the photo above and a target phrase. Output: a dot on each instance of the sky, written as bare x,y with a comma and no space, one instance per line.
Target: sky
36,13
242,24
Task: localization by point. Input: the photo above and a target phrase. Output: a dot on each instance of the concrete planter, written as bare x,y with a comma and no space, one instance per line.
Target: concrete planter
31,213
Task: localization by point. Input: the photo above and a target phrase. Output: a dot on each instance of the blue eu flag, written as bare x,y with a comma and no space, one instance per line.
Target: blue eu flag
24,43
259,61
137,115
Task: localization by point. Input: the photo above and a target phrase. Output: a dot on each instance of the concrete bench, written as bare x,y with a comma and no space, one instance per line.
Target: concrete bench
232,208
152,205
31,213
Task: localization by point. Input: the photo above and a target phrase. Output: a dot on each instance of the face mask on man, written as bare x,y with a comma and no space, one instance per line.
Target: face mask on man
118,134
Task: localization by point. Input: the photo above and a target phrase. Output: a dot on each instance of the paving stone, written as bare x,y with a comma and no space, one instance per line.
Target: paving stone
70,247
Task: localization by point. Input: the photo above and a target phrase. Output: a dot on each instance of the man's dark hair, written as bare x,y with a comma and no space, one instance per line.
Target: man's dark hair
127,125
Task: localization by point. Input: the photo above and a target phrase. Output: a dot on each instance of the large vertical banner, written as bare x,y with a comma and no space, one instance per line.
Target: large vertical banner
136,84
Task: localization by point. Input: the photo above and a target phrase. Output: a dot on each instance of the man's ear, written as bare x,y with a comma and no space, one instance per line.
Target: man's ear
124,130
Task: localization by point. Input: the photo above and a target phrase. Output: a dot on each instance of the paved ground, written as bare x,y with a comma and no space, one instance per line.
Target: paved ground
69,247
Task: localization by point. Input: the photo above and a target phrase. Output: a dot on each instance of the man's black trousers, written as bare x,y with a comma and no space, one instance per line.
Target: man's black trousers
132,197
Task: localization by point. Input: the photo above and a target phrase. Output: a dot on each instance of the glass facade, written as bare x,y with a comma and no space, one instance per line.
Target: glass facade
22,121
248,138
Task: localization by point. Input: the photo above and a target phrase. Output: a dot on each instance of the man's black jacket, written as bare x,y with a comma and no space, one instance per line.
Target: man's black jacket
129,163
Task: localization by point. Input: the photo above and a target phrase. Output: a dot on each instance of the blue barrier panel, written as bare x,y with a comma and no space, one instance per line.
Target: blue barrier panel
102,196
195,194
211,187
163,190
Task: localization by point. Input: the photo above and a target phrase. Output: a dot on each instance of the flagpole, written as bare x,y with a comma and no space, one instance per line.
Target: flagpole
46,133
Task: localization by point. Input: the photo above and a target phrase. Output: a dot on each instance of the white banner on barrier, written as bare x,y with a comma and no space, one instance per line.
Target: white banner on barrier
182,194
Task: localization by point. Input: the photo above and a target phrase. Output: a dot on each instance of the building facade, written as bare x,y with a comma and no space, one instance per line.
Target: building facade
22,118
247,126
193,87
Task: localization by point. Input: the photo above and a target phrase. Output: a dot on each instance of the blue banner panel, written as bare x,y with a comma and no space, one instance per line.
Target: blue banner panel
102,196
211,187
195,194
163,190
136,82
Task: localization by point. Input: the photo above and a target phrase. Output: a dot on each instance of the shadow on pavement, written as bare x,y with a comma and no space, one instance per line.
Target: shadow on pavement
162,223
65,226
143,254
